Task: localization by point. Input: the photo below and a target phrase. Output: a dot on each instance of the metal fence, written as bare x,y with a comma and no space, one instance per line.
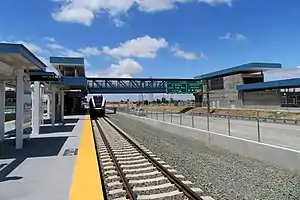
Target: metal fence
262,119
251,128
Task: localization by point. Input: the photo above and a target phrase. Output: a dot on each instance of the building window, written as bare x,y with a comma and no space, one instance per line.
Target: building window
248,80
217,83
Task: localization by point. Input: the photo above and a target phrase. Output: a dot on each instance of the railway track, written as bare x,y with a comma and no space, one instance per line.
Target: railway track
131,171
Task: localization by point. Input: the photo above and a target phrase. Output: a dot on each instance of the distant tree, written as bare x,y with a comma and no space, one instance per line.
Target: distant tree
146,102
163,100
158,101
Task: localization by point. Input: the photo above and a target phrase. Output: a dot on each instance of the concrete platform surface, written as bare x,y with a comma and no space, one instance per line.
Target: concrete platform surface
41,170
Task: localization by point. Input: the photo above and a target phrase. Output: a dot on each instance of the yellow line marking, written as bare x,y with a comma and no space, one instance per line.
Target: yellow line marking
9,121
25,124
86,177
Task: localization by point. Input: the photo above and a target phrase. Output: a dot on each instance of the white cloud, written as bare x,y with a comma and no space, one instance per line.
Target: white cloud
203,56
71,53
77,15
63,51
85,11
241,37
217,2
55,46
186,55
50,39
124,68
238,37
284,73
118,22
142,47
83,52
90,51
158,5
227,36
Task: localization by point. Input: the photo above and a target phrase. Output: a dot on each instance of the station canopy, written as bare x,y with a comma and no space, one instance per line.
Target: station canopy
16,56
277,84
246,68
66,66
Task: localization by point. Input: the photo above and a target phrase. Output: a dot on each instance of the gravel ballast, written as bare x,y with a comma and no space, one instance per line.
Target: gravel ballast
221,174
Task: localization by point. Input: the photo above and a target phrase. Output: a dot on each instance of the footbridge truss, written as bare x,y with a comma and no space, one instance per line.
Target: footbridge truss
129,85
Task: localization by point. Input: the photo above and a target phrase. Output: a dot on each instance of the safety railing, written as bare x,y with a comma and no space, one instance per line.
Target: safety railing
251,128
262,119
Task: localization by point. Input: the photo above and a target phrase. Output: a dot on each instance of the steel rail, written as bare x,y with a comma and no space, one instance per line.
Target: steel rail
129,192
173,179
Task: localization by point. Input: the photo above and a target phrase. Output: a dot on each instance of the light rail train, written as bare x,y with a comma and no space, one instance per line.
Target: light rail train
97,106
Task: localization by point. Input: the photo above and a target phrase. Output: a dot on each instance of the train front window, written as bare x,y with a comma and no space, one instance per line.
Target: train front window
98,101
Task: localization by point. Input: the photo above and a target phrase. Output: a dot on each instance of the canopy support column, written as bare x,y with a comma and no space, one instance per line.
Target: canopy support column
19,108
2,110
48,106
53,106
36,108
42,88
62,106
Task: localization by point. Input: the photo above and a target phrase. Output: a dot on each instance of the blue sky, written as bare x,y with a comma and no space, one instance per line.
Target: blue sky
158,38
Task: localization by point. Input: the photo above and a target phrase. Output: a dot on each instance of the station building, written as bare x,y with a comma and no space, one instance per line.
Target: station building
244,86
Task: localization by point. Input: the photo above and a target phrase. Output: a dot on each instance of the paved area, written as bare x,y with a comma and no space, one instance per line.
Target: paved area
40,170
276,134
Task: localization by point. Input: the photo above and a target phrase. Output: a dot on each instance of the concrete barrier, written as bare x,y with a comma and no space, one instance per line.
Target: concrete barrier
279,156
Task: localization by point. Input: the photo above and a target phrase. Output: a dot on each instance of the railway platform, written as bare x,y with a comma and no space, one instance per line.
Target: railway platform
58,163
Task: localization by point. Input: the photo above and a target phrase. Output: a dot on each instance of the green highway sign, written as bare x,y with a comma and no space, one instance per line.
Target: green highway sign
184,87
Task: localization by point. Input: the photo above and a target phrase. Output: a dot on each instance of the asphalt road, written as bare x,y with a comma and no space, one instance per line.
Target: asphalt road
276,134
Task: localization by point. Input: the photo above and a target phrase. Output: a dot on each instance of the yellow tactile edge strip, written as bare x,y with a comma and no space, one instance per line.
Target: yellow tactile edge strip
86,183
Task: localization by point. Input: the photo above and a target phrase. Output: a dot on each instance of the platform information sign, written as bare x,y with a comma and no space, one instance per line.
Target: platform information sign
184,87
44,77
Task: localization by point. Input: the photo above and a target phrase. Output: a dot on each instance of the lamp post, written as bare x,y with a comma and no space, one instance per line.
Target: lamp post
208,101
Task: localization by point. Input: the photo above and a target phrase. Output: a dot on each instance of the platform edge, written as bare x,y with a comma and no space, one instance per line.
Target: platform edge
86,182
